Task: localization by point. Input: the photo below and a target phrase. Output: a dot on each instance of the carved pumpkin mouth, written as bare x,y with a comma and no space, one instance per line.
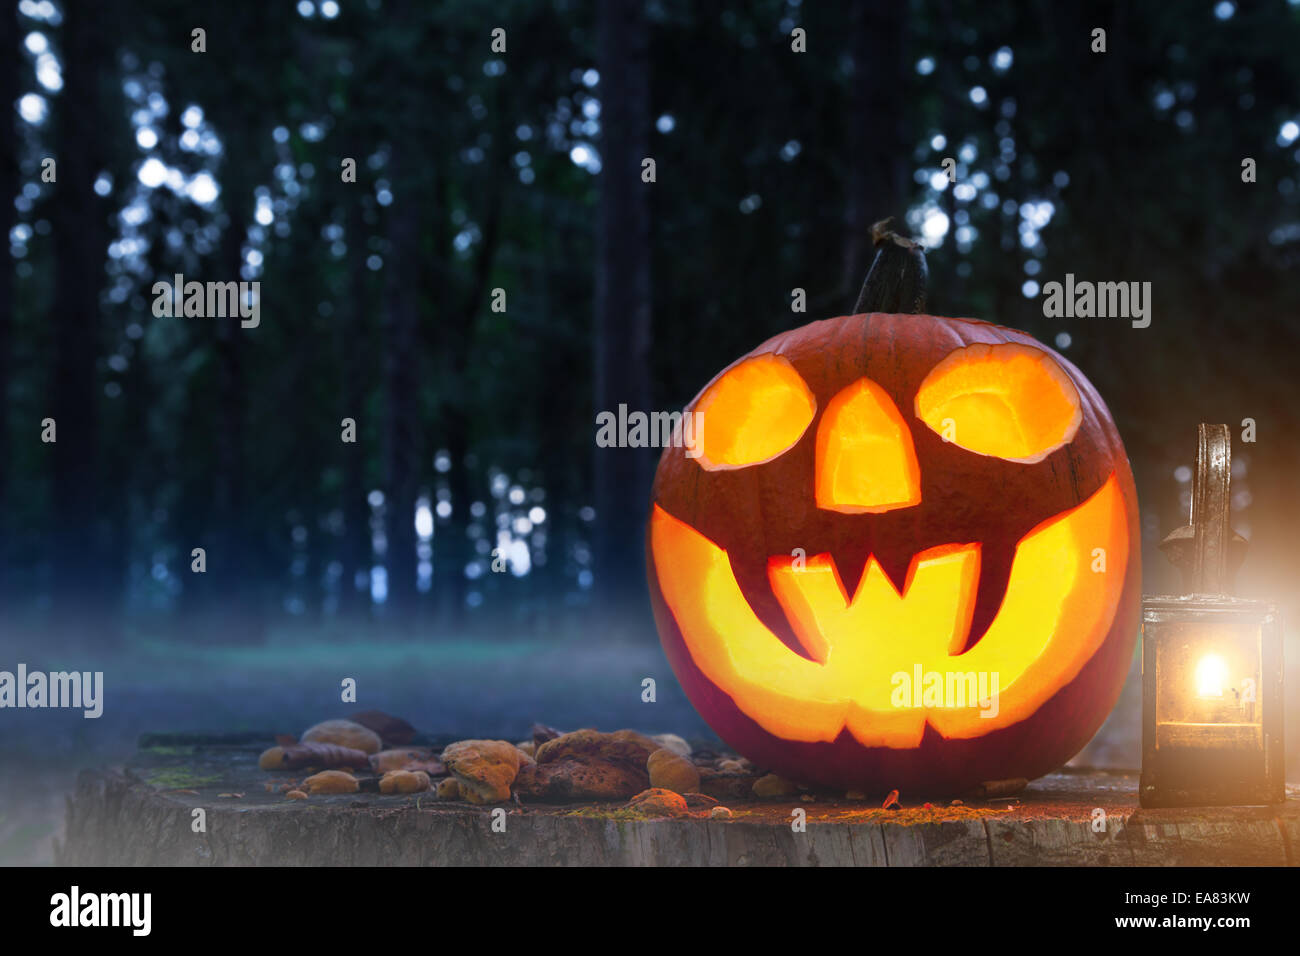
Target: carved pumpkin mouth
1055,614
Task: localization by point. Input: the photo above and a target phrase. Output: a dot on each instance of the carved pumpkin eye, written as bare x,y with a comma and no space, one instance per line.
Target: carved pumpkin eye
1007,401
752,413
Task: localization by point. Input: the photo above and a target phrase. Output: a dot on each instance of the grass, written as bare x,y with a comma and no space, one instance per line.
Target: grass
178,778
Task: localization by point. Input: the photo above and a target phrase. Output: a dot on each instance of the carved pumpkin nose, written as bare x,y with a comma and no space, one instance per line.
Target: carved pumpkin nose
866,463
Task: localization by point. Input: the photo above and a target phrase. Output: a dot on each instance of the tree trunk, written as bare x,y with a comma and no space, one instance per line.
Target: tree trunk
354,603
10,61
78,217
877,152
233,567
623,310
952,96
451,539
401,425
449,339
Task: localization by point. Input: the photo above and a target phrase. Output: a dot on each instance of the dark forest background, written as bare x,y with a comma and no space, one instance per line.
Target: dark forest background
521,171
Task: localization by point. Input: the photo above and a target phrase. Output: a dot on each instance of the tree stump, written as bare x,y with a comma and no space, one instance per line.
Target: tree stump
143,814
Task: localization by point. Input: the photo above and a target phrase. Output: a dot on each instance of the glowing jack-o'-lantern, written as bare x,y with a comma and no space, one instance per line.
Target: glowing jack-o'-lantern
903,552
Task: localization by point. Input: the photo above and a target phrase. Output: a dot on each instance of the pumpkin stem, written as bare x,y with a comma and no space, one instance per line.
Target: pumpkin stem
896,281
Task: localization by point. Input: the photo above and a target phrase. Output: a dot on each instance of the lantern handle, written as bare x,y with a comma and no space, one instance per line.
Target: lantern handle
1207,549
1210,503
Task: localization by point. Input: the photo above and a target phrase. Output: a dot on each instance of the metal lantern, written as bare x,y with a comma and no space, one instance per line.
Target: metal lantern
1212,705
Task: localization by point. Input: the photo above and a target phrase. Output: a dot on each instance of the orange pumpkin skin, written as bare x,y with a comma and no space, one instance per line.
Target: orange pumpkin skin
769,509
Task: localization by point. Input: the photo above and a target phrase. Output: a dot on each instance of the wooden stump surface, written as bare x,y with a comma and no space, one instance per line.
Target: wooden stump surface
143,814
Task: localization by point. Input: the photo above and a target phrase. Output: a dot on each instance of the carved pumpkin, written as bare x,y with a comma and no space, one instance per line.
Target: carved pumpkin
881,512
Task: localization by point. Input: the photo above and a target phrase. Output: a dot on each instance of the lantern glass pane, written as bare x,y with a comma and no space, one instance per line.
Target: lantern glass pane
1207,685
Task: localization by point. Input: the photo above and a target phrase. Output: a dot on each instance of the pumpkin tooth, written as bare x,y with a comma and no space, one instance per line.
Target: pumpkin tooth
933,608
996,559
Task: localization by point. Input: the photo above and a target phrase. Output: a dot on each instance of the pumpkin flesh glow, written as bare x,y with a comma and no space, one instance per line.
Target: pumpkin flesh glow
865,460
1053,599
959,537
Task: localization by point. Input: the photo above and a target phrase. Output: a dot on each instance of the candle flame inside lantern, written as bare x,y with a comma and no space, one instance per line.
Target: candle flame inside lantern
1211,675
